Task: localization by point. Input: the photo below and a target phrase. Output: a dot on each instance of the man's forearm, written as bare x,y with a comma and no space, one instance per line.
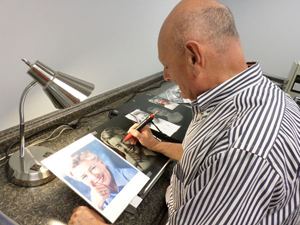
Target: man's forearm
171,150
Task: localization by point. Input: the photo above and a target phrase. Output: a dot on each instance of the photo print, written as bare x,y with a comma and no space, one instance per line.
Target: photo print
98,174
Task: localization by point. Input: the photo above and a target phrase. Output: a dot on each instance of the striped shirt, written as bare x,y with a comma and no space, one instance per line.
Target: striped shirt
241,156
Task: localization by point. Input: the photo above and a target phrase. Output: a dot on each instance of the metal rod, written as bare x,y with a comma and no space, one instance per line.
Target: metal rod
21,114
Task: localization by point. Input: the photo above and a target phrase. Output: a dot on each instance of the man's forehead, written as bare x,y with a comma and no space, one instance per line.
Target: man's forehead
163,44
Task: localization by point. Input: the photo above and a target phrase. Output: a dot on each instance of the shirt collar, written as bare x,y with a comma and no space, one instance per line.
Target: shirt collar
205,102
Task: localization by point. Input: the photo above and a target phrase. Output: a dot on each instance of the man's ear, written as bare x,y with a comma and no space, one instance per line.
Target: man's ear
194,57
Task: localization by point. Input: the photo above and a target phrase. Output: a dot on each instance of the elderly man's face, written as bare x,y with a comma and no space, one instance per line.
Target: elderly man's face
175,68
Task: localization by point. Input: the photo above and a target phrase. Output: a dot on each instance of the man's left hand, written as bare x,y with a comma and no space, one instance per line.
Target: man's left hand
82,215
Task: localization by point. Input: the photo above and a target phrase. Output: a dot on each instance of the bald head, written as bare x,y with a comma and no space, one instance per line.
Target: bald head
199,46
205,21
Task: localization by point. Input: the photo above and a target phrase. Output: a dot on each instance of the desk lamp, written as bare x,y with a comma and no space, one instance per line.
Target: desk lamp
64,91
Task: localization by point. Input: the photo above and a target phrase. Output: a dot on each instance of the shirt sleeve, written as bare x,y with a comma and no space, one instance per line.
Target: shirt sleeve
233,187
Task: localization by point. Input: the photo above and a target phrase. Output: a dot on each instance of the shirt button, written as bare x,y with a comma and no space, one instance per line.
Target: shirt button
199,116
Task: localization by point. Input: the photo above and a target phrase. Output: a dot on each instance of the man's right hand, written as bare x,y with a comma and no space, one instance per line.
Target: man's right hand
146,138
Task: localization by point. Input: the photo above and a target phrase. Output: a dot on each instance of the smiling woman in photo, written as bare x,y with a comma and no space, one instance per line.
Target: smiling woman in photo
105,182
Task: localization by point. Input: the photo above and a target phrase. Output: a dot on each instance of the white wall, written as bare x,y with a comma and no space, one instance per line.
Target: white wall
111,43
107,42
270,32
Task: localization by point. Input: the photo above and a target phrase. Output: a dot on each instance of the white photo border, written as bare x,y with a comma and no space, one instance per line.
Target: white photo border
56,163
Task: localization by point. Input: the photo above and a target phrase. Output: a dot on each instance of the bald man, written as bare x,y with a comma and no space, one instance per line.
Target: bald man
239,161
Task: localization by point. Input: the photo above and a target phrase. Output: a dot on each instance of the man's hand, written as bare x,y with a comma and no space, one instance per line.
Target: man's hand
146,138
84,216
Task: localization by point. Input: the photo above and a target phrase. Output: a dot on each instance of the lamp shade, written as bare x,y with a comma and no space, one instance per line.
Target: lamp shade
62,89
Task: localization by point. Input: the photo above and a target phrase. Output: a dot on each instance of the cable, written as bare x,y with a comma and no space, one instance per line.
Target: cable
31,135
7,153
49,138
157,127
3,158
91,115
140,91
106,110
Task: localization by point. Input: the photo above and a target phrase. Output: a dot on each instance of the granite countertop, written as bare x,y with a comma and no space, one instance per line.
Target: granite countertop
53,203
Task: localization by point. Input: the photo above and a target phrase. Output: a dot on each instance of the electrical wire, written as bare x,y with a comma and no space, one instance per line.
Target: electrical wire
31,135
106,110
3,158
49,138
91,115
144,90
70,126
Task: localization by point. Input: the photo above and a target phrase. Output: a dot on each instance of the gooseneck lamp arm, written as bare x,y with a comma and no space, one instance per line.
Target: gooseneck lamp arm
22,121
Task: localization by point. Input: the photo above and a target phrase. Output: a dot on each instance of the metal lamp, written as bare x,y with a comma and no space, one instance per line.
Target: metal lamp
24,167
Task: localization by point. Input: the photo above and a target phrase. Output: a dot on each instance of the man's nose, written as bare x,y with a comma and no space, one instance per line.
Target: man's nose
166,75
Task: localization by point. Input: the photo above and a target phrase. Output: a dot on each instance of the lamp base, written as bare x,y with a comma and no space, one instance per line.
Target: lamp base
28,171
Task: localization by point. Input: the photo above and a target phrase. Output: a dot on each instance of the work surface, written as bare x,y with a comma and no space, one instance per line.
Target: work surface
54,202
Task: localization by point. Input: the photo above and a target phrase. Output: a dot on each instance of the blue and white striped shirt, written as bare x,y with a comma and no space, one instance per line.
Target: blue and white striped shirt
241,160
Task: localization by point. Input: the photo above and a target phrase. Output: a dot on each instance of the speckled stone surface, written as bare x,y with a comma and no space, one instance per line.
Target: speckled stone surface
54,201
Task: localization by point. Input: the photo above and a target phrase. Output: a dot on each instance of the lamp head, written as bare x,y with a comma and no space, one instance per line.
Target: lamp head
62,89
